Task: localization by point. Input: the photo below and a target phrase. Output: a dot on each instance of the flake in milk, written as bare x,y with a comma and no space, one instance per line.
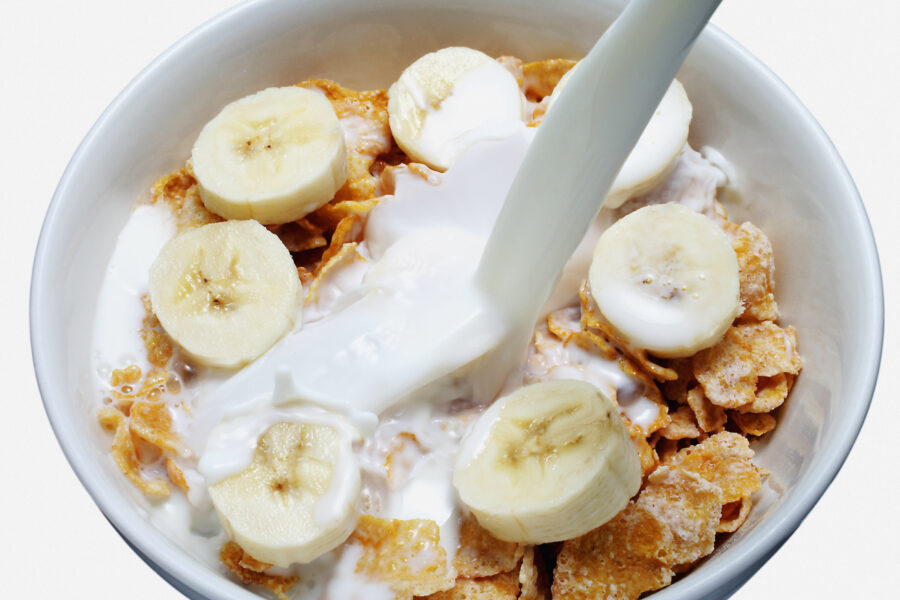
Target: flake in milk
405,555
251,571
689,505
724,460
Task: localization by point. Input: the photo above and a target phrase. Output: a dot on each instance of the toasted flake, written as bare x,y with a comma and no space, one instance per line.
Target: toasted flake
502,586
125,456
176,475
756,268
251,571
300,235
592,320
405,555
724,460
480,554
753,423
179,191
676,390
689,505
347,231
620,560
346,255
734,514
110,418
152,422
541,77
158,344
730,371
534,581
681,425
710,418
364,118
646,453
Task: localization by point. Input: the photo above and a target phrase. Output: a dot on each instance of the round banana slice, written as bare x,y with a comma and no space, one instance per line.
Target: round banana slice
274,156
666,279
297,500
450,99
225,291
549,462
656,151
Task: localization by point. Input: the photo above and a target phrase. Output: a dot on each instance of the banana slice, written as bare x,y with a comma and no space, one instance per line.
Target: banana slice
549,462
274,156
225,291
656,151
297,500
666,278
450,99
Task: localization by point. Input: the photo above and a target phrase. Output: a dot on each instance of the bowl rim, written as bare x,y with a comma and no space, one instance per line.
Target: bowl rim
189,577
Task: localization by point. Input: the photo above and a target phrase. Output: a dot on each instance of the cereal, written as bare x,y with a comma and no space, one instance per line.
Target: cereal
300,235
533,578
160,347
646,453
176,475
731,370
125,456
541,77
480,554
681,425
364,117
756,268
404,554
724,460
734,514
689,505
752,423
676,390
591,319
710,418
503,586
346,231
620,560
152,422
179,190
251,571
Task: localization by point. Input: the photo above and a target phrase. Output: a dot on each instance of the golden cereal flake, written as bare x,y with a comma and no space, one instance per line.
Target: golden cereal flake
734,514
681,425
480,554
110,418
752,423
125,456
176,475
180,192
710,418
756,267
591,319
646,453
689,505
731,370
620,560
364,118
251,571
534,581
502,586
347,254
676,390
349,230
152,422
541,77
724,460
300,235
406,555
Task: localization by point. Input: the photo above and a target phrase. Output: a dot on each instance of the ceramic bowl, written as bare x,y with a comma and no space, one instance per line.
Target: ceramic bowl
788,179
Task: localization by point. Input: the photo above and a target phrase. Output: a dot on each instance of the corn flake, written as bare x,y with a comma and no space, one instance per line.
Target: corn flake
125,456
734,514
152,422
534,583
406,555
180,192
620,560
753,423
251,571
710,418
731,370
756,268
480,554
502,586
681,425
541,77
724,460
689,505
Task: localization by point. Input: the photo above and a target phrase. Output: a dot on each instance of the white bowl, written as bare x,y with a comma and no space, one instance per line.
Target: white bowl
790,181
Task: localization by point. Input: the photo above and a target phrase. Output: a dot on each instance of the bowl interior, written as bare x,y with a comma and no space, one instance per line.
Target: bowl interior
789,181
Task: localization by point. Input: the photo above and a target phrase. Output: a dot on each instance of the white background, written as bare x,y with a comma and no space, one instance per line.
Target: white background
62,62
